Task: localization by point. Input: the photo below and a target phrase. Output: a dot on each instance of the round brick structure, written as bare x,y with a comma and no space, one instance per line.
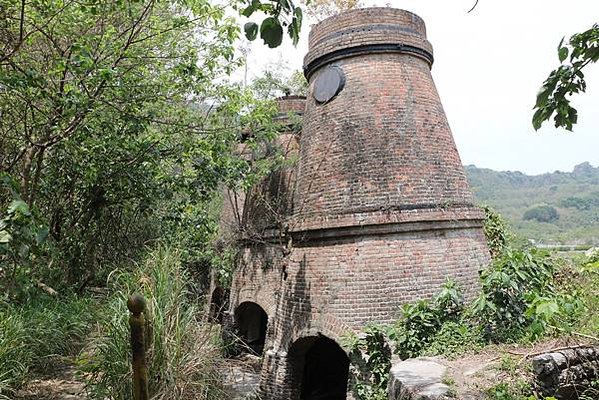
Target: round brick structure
382,213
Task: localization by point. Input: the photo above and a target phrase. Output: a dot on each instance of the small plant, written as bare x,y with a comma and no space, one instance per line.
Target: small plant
455,338
21,239
421,321
370,357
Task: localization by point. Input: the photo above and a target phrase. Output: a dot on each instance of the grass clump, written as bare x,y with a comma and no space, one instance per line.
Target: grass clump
182,357
35,335
15,356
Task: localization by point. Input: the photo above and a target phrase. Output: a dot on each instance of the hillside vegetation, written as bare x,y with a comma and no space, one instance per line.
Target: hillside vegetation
552,208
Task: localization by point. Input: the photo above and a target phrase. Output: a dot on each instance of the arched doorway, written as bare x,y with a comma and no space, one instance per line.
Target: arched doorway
252,322
320,368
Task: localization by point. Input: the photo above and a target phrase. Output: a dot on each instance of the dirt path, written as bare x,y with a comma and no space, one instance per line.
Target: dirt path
58,383
241,376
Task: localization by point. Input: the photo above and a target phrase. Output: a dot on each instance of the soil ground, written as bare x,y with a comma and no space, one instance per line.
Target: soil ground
58,383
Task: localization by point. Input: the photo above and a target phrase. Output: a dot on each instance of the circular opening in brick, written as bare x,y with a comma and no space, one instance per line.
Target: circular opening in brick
329,82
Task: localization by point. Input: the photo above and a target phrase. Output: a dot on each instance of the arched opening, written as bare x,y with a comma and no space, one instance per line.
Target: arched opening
218,304
320,367
252,322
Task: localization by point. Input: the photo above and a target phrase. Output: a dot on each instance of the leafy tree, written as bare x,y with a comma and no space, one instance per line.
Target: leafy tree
275,83
114,129
541,213
553,98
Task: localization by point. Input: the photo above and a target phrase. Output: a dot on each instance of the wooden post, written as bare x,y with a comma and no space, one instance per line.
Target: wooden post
137,305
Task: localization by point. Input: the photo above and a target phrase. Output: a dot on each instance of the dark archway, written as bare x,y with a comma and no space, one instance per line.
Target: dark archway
218,304
252,322
321,368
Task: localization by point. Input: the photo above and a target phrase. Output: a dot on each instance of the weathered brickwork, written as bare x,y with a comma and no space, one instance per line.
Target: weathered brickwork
377,211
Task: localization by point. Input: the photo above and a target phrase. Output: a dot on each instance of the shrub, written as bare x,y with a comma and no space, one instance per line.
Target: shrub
507,286
421,320
181,355
455,338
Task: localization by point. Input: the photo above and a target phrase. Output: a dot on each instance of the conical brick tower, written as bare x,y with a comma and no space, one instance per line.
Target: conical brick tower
382,212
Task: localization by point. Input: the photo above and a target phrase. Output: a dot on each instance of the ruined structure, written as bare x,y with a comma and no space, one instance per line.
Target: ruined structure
376,213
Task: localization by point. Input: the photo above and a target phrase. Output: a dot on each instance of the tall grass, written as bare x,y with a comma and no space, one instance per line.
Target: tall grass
182,356
15,355
34,336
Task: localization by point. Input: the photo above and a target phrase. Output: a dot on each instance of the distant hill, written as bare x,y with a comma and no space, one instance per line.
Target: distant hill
558,207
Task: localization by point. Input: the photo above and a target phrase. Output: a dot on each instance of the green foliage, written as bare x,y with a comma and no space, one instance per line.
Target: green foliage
276,82
566,80
420,321
512,193
497,232
15,355
455,338
128,131
370,357
541,213
181,354
508,285
21,241
280,14
32,336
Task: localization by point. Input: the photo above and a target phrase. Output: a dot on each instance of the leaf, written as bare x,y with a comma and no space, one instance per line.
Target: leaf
563,54
18,206
251,30
5,237
24,251
547,308
42,235
249,10
537,119
271,32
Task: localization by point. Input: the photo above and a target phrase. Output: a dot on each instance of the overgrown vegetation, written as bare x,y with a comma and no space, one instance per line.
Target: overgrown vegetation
370,357
118,126
526,294
36,335
182,356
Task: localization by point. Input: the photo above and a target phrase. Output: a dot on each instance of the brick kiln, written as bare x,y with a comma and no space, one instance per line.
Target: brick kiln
377,212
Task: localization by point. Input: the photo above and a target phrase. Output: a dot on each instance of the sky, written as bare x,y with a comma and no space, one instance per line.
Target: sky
489,65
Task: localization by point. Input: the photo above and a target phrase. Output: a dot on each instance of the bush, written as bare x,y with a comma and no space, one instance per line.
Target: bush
421,320
455,338
508,285
181,355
